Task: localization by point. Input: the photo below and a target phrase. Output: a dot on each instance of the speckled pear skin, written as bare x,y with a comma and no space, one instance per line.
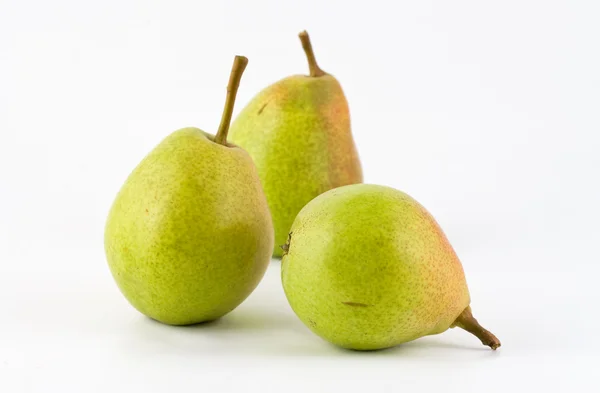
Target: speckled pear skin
298,134
189,235
369,268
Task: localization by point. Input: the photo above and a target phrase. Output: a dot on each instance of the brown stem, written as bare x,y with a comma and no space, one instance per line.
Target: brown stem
467,321
286,246
310,55
239,65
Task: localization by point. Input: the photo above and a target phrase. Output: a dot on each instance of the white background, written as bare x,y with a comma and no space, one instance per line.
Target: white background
487,112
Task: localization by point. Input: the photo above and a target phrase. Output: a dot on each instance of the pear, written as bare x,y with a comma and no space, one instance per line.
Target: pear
298,134
189,235
367,267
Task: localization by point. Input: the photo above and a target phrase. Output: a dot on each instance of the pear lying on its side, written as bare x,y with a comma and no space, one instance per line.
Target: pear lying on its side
367,267
298,134
189,235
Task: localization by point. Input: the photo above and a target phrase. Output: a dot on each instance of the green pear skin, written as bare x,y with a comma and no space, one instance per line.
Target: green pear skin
189,235
367,267
298,134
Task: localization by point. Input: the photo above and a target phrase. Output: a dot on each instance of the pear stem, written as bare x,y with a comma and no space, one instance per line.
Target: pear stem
239,65
310,55
467,321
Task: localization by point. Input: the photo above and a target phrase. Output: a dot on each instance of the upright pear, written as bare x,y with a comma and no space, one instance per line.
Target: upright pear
189,235
298,134
367,267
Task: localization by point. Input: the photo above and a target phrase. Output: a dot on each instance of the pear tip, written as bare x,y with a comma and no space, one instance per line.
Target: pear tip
241,60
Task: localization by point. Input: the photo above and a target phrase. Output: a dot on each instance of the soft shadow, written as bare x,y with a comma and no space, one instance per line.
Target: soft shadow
425,345
255,331
248,319
272,333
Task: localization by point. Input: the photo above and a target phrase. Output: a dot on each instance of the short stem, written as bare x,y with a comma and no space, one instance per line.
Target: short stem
467,321
286,246
310,55
239,65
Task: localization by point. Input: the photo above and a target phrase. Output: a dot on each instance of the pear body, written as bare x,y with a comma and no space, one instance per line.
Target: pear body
189,235
368,267
298,134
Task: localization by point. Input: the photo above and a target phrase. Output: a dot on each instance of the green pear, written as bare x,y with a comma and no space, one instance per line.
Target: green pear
189,235
298,134
367,267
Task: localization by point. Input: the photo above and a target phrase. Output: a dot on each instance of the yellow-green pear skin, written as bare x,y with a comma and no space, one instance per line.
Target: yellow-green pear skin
189,235
298,134
367,267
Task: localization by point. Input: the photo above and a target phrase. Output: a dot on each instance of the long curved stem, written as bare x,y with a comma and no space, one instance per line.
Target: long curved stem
239,65
310,55
467,321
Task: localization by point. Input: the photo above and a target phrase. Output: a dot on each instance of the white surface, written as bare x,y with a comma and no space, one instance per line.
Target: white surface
486,112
